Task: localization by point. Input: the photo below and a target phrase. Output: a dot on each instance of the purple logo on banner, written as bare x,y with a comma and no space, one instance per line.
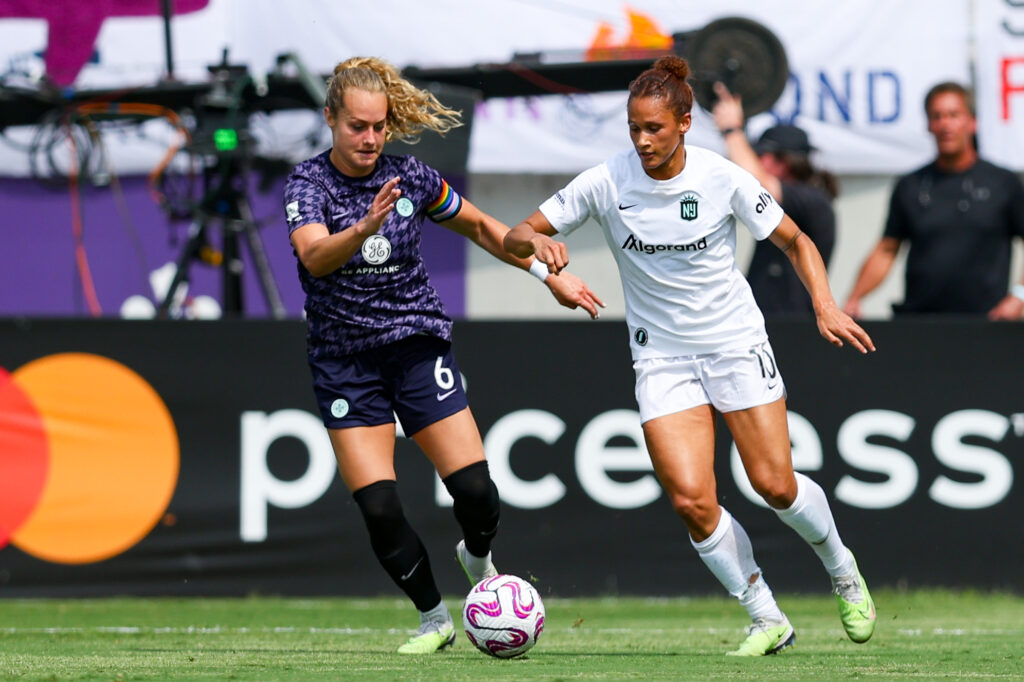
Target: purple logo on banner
73,27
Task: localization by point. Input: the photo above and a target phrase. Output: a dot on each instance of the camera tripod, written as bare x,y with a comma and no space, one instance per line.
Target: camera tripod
225,200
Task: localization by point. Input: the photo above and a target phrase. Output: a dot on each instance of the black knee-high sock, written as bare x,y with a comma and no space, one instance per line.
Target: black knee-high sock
475,505
396,544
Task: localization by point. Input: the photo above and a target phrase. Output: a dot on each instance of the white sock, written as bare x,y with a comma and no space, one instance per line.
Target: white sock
438,614
476,564
811,517
759,601
727,552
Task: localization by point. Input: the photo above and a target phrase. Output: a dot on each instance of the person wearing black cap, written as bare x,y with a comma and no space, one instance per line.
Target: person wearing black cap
780,160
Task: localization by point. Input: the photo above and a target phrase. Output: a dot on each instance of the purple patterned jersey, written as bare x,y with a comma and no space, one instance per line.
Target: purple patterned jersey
383,293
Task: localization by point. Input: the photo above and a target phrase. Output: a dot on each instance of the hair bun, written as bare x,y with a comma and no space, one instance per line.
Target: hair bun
675,65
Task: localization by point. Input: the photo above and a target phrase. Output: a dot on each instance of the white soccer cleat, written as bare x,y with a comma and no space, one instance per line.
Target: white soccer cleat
476,568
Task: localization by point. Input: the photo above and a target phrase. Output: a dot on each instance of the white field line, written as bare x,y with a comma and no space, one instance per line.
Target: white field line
577,631
195,630
958,632
909,632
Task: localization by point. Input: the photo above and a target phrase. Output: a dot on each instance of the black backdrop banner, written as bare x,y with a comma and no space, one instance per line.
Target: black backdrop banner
916,445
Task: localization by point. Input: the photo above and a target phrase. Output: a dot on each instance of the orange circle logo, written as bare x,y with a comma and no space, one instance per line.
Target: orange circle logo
89,458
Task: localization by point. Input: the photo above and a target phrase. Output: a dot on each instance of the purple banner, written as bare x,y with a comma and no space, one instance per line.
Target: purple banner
126,237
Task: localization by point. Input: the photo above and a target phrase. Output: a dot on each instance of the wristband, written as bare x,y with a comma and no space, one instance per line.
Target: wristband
1017,291
539,270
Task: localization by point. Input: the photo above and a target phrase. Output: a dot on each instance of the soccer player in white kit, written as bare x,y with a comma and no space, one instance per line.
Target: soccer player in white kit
669,213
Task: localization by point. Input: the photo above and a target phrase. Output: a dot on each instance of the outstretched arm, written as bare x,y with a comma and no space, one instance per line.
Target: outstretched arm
876,267
484,231
835,325
490,234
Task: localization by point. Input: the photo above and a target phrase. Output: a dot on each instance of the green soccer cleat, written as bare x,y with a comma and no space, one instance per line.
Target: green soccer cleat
466,560
856,608
766,637
432,636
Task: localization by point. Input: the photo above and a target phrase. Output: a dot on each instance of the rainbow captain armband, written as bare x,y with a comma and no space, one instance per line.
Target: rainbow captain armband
447,205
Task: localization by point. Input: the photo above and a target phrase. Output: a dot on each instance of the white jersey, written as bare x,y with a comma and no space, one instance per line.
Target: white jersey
675,245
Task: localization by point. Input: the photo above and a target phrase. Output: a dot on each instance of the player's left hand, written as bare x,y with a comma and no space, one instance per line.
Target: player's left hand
835,326
1010,308
554,254
572,292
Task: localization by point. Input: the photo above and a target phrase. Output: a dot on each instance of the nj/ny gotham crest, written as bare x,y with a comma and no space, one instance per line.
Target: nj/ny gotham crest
688,206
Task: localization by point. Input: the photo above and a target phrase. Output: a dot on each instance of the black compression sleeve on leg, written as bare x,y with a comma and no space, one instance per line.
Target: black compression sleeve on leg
475,505
396,544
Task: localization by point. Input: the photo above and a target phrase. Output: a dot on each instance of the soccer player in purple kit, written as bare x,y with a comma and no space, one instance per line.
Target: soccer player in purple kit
379,339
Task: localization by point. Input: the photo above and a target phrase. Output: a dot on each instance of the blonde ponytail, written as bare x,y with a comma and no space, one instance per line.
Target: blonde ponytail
410,109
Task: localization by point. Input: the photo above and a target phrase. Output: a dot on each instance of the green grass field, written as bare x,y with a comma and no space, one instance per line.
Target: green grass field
926,635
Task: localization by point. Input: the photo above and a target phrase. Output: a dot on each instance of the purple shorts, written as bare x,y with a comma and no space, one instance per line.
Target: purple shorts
415,379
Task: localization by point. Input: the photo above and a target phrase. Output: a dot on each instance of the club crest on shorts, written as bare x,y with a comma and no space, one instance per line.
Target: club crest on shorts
376,250
339,408
641,336
688,206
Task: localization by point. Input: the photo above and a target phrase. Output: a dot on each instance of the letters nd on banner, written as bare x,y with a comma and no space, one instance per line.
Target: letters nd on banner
859,69
186,458
859,73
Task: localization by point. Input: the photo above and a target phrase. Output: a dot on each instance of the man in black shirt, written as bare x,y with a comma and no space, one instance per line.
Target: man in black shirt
780,160
959,215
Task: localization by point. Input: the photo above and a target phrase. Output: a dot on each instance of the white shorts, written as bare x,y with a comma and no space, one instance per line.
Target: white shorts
733,380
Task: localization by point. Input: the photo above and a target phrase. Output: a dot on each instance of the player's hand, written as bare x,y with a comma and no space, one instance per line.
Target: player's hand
572,292
381,206
728,109
836,326
1010,308
552,253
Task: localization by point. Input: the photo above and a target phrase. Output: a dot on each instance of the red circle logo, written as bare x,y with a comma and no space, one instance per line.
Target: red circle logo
89,456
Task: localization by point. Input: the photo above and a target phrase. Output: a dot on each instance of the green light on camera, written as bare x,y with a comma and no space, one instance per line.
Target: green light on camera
225,139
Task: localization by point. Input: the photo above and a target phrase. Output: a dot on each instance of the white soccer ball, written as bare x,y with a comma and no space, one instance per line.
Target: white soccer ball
503,616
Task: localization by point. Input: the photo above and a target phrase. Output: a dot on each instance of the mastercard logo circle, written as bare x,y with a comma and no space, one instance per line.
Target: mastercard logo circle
89,458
